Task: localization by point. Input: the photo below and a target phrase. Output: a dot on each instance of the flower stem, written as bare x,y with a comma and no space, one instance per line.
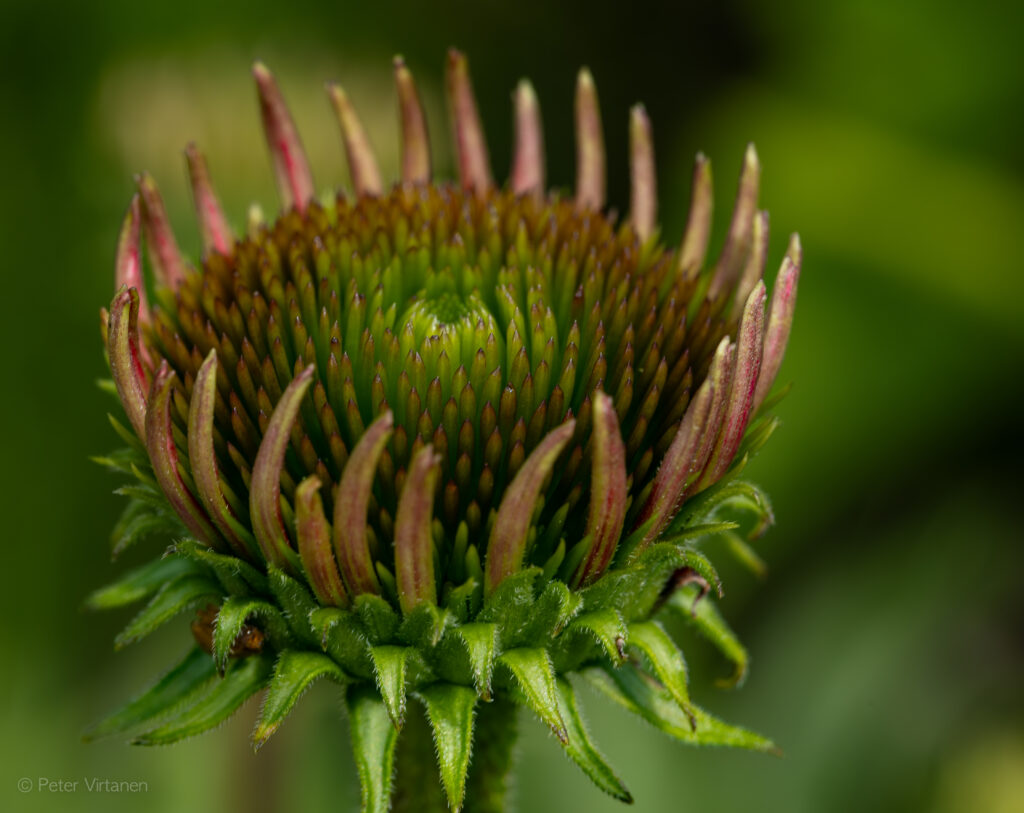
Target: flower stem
417,786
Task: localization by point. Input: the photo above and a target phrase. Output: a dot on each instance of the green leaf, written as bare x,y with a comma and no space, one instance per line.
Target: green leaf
648,638
389,664
140,521
536,679
244,678
294,672
233,616
169,693
480,641
343,637
297,603
704,617
174,597
379,618
136,584
629,688
238,576
450,709
373,743
607,627
582,751
691,532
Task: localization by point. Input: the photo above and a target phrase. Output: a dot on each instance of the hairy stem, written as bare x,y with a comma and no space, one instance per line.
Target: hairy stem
417,786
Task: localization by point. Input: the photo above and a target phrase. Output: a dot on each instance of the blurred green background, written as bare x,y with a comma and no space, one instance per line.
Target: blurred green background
886,638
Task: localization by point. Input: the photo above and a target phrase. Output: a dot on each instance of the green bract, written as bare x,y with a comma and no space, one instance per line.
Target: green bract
445,445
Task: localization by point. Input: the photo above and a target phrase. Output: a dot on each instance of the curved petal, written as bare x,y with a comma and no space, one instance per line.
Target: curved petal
414,543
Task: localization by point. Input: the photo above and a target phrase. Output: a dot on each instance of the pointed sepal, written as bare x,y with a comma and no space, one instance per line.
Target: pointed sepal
373,744
244,678
294,673
389,668
171,692
651,640
480,641
702,615
185,593
450,711
582,750
607,628
535,678
232,618
140,582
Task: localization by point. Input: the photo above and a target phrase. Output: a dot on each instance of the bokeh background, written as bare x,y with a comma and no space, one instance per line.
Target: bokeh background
886,637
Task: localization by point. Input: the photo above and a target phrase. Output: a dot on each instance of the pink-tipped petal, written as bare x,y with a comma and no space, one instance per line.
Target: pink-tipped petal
128,262
474,163
414,543
126,364
749,351
608,492
213,226
753,271
676,467
291,167
694,248
265,490
352,501
720,375
163,455
643,181
203,460
528,161
314,536
507,545
741,228
164,254
415,141
590,160
780,320
362,164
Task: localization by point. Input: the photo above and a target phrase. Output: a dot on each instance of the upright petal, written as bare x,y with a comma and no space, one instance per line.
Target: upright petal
754,268
414,542
128,262
125,355
676,467
749,352
164,254
203,459
415,141
351,504
528,161
643,181
474,163
362,164
265,490
720,374
590,159
694,247
314,537
608,492
737,243
507,545
780,319
291,168
163,455
213,226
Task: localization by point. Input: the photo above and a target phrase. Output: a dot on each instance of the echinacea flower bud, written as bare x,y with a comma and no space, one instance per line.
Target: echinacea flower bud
458,443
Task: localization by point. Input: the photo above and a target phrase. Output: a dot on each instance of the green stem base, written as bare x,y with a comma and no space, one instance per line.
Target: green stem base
417,784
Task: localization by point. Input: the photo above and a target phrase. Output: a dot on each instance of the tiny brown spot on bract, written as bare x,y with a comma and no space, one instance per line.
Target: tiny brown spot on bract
249,640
